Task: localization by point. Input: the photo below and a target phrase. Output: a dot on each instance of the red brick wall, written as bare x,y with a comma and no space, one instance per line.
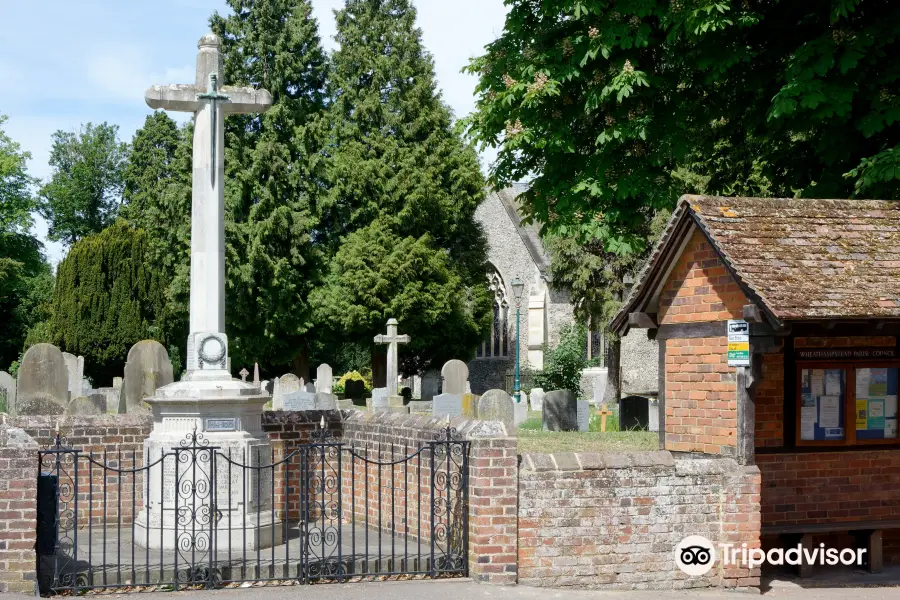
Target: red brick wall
700,396
18,511
700,288
493,521
769,401
612,521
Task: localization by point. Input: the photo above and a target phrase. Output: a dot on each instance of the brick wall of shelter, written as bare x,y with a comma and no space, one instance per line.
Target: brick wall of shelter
700,396
613,520
699,288
18,510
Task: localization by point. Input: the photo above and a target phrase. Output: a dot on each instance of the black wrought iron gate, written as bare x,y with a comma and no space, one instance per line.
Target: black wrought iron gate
202,515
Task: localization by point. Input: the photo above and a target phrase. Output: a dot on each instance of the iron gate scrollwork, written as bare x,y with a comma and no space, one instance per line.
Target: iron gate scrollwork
203,516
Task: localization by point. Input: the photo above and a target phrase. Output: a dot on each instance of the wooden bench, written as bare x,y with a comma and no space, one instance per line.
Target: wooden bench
870,531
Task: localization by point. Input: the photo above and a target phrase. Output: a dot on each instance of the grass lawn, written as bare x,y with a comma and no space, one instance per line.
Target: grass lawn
532,439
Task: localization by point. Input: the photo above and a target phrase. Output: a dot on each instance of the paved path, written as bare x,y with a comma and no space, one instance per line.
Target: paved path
467,590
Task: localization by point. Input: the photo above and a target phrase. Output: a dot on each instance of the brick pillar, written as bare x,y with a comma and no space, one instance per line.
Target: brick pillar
493,511
741,522
18,510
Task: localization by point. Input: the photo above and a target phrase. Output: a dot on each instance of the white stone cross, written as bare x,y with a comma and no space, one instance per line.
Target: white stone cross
243,374
392,339
209,103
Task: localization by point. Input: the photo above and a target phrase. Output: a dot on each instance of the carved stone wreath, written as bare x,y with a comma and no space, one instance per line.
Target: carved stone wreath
217,358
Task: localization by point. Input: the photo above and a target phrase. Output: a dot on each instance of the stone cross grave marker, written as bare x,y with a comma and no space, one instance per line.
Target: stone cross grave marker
323,378
392,339
243,374
210,103
455,374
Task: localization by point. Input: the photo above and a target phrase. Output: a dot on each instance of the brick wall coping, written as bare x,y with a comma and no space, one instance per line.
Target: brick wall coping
13,437
67,422
594,461
465,428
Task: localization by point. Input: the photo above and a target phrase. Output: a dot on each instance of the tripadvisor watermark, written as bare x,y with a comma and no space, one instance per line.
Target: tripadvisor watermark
696,555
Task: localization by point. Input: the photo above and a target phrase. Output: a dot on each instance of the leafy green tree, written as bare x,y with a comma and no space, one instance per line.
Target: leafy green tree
24,273
605,102
565,362
107,297
377,272
399,173
85,190
275,174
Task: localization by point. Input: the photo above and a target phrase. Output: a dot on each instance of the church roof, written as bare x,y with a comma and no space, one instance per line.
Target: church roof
798,259
530,233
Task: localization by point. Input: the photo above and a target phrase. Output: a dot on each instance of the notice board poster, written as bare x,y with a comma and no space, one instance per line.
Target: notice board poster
823,394
876,403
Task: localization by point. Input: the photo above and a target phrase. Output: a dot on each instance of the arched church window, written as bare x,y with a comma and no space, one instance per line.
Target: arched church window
497,344
596,347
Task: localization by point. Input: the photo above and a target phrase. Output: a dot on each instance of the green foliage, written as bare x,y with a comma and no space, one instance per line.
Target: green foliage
25,276
376,274
613,108
107,297
399,174
357,376
274,180
565,362
85,190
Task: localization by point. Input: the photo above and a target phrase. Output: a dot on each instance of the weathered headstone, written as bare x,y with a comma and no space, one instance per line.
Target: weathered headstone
447,404
75,370
42,387
95,404
326,401
299,400
354,389
345,404
111,397
117,382
520,412
583,415
147,368
286,384
379,397
86,388
599,387
8,391
537,399
455,374
560,411
323,378
497,405
309,387
420,407
634,413
431,384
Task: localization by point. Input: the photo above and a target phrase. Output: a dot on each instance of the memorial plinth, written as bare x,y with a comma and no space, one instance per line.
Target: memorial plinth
204,483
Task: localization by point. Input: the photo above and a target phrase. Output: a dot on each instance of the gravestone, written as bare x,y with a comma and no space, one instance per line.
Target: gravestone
599,387
299,400
497,405
326,401
75,370
345,404
354,389
380,398
42,387
634,413
447,404
583,415
323,379
520,412
470,405
560,411
653,416
117,382
147,368
86,388
455,374
111,397
430,385
309,387
421,407
8,391
537,399
286,384
256,374
95,404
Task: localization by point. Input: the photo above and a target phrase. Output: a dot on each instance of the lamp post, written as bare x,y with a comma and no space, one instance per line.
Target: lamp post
517,288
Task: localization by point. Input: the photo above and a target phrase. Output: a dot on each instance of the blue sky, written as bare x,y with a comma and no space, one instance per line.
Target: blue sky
67,62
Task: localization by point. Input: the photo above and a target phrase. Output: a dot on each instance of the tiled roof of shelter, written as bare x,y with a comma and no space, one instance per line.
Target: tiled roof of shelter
802,259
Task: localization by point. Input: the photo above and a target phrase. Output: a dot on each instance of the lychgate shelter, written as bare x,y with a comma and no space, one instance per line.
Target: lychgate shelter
814,286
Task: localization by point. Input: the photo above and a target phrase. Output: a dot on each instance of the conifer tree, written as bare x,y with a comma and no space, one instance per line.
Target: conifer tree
274,178
107,297
399,174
